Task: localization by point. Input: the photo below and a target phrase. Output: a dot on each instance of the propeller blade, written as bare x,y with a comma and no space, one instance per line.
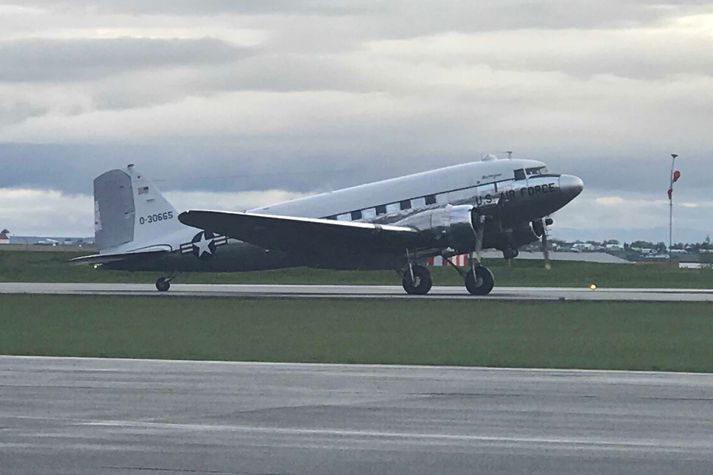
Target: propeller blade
545,247
479,241
479,232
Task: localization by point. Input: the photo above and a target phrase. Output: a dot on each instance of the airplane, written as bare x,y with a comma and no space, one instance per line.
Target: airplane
392,224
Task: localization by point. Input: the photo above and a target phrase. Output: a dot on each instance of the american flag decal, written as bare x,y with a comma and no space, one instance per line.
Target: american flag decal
143,190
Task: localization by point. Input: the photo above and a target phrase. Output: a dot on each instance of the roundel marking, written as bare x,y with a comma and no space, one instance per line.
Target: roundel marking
203,245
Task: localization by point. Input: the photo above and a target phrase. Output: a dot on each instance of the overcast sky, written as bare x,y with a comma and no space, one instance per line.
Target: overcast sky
234,104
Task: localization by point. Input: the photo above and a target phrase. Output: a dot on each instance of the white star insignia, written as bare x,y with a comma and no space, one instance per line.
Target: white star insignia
203,245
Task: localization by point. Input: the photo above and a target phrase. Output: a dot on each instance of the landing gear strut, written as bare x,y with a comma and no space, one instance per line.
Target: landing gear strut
417,280
164,283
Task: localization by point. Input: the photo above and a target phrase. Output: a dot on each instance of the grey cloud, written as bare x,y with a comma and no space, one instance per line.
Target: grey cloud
289,164
80,59
202,7
196,167
323,102
272,71
414,18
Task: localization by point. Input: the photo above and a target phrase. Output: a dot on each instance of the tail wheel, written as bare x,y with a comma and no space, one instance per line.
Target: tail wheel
479,280
421,282
163,284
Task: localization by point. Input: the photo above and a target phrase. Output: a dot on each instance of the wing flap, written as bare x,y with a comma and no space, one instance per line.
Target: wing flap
287,233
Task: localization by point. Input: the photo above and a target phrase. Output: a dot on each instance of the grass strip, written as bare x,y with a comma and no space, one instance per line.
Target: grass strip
595,335
33,266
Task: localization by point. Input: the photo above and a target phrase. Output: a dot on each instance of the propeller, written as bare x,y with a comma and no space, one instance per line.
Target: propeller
545,242
478,222
479,232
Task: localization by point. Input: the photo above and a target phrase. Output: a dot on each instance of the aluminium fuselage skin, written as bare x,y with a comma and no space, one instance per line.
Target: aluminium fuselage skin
511,193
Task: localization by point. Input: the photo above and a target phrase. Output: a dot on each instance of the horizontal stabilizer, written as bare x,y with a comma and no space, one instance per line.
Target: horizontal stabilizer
107,258
311,235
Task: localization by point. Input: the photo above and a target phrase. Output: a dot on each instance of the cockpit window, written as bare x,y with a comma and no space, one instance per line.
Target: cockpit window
536,171
519,174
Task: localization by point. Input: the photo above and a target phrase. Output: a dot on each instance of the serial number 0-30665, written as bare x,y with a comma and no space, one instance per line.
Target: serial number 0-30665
155,218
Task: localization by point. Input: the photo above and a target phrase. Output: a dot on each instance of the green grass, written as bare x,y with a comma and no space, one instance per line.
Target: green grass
636,336
53,267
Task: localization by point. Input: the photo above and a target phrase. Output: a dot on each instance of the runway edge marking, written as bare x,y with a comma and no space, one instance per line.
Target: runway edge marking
351,366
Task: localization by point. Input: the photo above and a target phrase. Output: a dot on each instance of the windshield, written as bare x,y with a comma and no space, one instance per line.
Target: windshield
536,171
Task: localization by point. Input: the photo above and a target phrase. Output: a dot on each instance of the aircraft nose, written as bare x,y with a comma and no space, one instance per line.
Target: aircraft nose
571,185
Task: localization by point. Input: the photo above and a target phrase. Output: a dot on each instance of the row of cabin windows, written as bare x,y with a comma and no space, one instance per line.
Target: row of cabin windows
457,196
371,213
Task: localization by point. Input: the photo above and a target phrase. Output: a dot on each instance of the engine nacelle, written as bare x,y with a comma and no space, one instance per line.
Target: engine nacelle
527,234
450,226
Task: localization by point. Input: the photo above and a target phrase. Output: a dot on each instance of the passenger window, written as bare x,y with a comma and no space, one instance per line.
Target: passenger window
520,174
431,200
331,217
381,209
460,195
369,213
405,204
356,215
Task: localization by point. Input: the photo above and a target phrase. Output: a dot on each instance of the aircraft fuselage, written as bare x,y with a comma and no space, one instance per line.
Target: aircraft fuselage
510,195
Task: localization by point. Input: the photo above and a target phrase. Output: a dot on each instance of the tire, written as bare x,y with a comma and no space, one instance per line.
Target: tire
162,285
422,281
510,253
480,283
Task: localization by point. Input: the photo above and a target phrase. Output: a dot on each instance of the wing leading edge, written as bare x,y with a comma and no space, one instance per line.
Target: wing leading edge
309,235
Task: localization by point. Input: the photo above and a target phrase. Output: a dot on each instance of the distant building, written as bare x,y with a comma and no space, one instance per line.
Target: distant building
695,265
4,236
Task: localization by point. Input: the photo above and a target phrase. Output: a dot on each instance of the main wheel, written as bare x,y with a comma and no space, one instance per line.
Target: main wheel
510,253
421,283
479,280
163,284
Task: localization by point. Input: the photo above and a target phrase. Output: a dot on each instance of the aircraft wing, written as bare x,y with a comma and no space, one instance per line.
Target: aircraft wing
315,236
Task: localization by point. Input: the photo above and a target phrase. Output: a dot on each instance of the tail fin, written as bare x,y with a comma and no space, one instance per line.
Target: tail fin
130,212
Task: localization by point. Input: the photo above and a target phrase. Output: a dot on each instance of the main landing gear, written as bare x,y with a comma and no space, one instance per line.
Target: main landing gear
416,280
478,279
164,283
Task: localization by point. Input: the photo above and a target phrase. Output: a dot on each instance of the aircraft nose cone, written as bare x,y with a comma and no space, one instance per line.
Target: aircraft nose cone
571,185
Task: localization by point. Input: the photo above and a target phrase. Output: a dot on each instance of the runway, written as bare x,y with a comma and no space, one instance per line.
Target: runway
60,415
360,291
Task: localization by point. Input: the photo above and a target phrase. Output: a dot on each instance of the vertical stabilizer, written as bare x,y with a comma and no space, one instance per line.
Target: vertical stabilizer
130,212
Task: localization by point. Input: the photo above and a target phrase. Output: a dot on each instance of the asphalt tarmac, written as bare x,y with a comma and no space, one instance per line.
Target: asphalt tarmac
360,291
63,415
